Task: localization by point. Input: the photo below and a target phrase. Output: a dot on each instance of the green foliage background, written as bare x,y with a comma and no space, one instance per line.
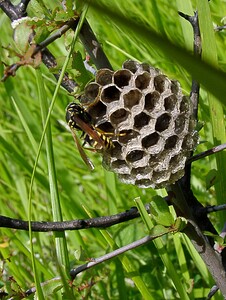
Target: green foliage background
97,193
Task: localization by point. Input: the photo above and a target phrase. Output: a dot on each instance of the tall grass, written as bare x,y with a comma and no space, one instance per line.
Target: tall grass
138,273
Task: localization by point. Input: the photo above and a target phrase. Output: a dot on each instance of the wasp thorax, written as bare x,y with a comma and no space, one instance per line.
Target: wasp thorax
148,120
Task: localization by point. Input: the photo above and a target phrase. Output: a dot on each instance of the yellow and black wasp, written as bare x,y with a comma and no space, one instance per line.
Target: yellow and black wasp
79,119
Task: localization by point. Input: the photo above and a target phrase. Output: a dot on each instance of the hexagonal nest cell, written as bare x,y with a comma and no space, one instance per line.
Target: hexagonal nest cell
148,120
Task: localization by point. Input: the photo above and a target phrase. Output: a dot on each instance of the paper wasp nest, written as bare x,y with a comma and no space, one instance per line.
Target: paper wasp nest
148,120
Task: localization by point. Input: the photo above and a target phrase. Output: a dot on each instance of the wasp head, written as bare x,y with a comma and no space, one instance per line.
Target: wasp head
74,112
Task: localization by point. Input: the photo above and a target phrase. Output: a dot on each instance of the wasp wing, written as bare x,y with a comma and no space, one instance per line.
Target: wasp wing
90,131
81,151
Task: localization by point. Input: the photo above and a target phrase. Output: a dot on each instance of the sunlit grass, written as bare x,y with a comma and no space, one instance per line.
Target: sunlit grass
99,190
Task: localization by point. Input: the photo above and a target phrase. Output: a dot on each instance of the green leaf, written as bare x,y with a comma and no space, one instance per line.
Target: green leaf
162,250
62,16
160,211
83,76
186,6
51,288
158,231
22,34
80,254
208,233
212,178
217,238
69,5
180,223
144,214
38,9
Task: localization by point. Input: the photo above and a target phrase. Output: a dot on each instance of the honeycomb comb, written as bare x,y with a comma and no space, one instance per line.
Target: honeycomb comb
149,120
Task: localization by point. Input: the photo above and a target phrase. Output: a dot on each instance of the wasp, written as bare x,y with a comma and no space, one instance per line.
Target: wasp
79,119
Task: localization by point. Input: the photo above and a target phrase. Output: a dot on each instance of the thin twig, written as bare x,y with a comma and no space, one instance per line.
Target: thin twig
100,222
194,95
12,11
16,12
96,261
198,211
183,184
212,292
56,35
87,36
206,153
196,208
50,61
11,70
22,7
214,208
33,289
220,28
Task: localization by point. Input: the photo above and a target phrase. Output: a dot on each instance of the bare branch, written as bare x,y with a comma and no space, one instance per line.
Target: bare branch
21,8
96,261
50,61
220,28
206,153
194,95
47,58
14,12
202,244
56,35
210,257
9,10
86,35
33,289
101,222
214,208
93,47
212,292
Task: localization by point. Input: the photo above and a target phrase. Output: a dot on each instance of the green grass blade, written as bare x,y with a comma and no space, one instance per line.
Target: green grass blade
37,282
128,265
111,192
26,127
144,215
23,249
20,160
61,246
186,7
197,259
163,253
205,73
158,18
209,54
